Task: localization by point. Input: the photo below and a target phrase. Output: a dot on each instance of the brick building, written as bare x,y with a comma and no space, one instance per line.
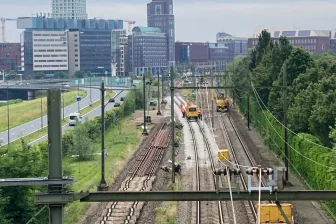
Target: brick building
10,56
313,41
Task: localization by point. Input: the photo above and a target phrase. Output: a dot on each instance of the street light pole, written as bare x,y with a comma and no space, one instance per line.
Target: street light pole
41,109
144,132
63,100
159,112
103,186
90,91
78,95
7,118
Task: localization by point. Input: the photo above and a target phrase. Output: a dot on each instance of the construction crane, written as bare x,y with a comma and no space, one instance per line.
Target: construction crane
3,23
130,23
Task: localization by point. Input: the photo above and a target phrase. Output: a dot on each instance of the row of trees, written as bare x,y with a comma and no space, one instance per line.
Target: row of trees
311,100
16,203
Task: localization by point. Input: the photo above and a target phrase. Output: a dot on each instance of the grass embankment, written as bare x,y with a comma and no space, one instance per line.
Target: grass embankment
26,111
38,134
167,212
87,174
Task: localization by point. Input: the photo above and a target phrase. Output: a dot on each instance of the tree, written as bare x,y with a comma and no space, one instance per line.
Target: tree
17,203
83,145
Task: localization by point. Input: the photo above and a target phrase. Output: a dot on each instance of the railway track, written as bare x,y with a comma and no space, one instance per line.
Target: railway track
140,178
204,212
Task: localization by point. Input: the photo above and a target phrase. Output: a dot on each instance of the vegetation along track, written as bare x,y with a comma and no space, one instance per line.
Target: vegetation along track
140,178
206,211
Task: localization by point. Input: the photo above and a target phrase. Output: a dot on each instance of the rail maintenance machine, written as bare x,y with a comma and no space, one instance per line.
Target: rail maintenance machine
222,103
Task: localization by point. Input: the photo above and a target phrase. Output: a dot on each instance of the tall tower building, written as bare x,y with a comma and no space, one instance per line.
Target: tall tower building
69,9
160,14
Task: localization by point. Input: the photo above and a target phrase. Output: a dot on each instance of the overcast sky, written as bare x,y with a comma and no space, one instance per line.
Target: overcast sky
197,20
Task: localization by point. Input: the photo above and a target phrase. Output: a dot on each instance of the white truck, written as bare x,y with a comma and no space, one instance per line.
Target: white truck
74,118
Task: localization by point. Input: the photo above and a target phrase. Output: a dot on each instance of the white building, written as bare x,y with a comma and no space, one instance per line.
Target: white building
72,9
50,50
119,50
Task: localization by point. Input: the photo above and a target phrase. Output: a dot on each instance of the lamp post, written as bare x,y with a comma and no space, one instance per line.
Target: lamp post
103,185
90,93
144,132
41,109
8,140
63,98
159,112
78,95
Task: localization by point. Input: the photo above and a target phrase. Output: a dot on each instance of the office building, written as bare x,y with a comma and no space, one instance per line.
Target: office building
237,45
44,51
10,57
147,50
190,52
219,52
313,41
119,51
69,9
333,41
160,14
83,44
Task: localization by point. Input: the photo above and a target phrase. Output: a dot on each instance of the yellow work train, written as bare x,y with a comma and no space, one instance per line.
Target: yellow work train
222,103
191,112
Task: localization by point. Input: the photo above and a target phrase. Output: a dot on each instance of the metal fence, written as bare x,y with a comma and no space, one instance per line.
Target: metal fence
109,81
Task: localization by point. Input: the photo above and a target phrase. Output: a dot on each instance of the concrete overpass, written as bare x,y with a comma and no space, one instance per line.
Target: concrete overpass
28,92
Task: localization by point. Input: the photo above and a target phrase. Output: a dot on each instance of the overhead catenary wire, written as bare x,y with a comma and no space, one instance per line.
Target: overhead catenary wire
230,189
259,199
290,130
284,139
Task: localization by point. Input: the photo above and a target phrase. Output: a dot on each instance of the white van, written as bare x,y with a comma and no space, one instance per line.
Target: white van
74,118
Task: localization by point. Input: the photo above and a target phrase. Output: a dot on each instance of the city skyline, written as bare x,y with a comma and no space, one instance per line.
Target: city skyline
197,21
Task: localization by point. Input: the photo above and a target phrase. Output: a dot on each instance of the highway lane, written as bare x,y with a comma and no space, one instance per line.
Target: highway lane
35,125
89,115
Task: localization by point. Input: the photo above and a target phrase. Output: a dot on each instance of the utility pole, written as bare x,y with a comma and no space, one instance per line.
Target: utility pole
212,103
8,136
159,112
55,154
284,100
248,105
41,109
103,186
172,93
144,132
78,95
90,92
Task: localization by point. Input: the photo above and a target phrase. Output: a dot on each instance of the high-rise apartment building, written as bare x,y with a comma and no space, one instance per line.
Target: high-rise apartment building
69,9
160,14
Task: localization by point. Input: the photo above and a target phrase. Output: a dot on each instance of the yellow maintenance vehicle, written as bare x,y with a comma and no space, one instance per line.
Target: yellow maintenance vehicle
191,111
222,103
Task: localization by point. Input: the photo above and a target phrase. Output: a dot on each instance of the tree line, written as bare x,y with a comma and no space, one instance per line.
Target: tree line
17,203
311,100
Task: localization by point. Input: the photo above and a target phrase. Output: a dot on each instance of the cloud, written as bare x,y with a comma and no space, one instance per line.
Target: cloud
198,20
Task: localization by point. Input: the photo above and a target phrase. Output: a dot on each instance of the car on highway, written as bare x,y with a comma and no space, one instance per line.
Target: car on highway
74,118
121,98
112,100
117,105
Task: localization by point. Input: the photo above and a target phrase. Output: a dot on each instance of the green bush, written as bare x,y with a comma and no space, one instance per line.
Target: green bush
302,152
